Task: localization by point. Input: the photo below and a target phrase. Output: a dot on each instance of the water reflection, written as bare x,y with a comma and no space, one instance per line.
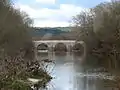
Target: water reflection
67,73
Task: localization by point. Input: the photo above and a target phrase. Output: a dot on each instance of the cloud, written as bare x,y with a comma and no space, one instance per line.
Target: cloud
108,0
46,1
45,17
50,23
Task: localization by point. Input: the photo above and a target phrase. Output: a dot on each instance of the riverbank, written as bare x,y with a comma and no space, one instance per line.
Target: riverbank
16,71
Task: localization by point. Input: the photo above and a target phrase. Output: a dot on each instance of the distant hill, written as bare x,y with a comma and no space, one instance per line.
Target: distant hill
53,31
64,28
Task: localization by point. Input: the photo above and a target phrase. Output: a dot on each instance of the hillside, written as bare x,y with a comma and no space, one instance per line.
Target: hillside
53,31
59,33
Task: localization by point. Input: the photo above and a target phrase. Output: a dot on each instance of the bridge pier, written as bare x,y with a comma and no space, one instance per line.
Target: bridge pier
51,48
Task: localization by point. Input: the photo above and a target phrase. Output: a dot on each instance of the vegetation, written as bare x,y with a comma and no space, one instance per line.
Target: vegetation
101,25
56,33
99,28
53,31
17,61
108,32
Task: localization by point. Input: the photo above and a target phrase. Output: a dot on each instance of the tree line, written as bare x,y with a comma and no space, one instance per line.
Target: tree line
17,61
99,28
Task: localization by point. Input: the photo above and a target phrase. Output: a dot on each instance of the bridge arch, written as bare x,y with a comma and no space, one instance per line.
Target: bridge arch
84,50
78,47
60,47
42,46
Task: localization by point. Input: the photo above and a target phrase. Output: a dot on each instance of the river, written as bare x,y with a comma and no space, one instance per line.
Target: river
69,74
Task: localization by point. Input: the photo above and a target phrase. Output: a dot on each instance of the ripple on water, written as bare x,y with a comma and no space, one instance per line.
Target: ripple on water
96,75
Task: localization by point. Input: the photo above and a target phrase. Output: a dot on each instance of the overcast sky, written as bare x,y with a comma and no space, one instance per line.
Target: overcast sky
54,13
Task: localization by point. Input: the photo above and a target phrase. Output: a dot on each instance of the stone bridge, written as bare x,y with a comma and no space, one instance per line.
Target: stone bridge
51,44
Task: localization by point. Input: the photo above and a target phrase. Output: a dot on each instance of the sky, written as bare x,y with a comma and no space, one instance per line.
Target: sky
54,13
